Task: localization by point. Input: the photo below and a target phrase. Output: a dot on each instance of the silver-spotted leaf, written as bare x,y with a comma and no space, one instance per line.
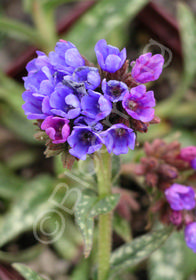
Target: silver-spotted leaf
89,207
27,272
136,251
26,208
167,263
105,205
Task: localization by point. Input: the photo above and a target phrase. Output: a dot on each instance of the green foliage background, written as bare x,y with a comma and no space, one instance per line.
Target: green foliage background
25,197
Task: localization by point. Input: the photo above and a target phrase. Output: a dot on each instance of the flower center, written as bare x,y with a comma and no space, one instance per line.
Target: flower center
87,137
116,91
120,131
132,105
58,130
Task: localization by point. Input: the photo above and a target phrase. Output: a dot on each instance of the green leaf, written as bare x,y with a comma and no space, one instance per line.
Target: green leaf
89,207
116,164
188,35
18,124
189,257
10,184
136,251
122,227
154,131
69,243
185,137
167,263
27,272
22,256
11,92
20,31
47,4
27,5
101,21
52,4
22,158
82,271
32,201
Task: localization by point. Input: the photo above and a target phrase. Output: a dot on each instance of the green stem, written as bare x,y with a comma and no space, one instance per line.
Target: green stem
103,165
44,21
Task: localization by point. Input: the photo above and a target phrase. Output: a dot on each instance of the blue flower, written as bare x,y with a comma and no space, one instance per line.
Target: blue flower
37,63
87,75
95,106
190,236
138,103
85,121
114,90
83,140
109,58
66,58
118,138
40,84
33,106
147,68
180,197
64,103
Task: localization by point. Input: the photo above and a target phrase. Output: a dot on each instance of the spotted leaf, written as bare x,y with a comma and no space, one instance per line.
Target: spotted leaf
167,263
27,272
89,207
136,251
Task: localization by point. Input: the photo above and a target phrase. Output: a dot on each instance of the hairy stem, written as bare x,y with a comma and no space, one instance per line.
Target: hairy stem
103,169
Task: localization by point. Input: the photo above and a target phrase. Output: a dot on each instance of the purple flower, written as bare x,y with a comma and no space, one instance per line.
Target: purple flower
189,154
180,197
64,102
40,70
114,90
190,236
84,121
33,106
37,63
83,140
138,103
95,106
36,98
39,84
109,58
193,163
118,138
147,68
66,58
87,75
176,217
57,129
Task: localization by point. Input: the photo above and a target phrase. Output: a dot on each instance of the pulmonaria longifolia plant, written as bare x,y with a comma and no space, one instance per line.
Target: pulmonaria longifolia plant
80,107
169,171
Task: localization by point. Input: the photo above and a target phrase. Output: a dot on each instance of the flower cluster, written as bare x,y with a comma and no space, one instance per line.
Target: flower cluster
163,168
82,107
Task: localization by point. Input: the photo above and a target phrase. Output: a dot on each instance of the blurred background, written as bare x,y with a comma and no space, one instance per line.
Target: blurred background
27,178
